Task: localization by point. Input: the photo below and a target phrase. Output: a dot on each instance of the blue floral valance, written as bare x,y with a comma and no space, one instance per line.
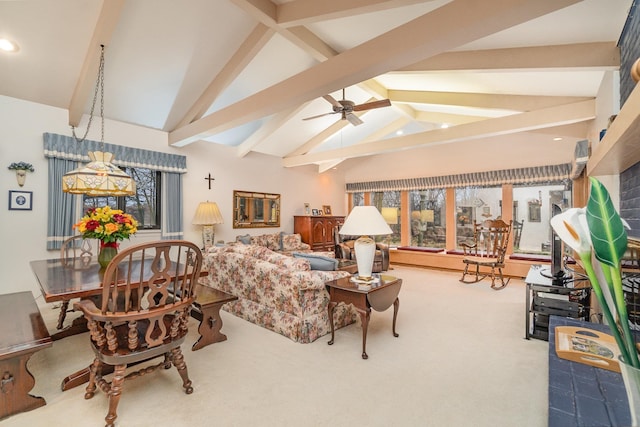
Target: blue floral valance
66,147
539,174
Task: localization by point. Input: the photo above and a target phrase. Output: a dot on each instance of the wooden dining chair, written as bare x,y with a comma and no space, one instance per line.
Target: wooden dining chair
487,250
147,292
77,253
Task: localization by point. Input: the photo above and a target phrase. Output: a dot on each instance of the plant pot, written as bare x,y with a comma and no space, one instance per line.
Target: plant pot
631,378
107,252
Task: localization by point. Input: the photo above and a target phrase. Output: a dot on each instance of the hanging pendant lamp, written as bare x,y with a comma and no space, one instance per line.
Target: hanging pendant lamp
99,177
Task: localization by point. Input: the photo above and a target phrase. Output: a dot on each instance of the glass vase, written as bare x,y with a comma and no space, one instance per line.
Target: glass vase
107,252
631,378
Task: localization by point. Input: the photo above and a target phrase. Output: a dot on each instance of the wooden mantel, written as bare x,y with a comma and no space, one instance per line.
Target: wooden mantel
620,147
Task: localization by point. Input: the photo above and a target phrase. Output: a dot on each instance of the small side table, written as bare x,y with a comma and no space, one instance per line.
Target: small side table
380,297
206,309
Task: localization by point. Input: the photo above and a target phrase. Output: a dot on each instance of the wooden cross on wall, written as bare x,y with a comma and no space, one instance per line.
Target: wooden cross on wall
209,178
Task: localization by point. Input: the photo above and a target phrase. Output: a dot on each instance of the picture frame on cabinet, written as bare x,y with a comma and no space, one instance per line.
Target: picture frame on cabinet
314,212
20,200
320,212
326,209
307,209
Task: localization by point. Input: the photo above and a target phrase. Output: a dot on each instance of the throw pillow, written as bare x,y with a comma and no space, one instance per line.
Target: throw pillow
245,239
291,242
318,262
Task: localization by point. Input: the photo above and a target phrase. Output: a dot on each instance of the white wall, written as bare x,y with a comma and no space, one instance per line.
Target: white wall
24,232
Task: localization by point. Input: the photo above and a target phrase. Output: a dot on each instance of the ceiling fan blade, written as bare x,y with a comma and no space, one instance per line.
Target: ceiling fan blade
353,119
370,105
332,101
319,115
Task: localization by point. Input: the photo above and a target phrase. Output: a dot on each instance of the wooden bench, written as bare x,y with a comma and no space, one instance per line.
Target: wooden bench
206,309
22,333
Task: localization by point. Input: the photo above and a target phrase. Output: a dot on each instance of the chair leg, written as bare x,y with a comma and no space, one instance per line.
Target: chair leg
464,272
178,361
114,394
503,283
64,306
94,370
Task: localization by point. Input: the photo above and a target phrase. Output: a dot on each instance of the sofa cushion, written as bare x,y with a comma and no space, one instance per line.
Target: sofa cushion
318,262
245,239
271,241
291,242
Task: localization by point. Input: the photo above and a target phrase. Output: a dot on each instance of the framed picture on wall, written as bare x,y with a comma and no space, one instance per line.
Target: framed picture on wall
20,200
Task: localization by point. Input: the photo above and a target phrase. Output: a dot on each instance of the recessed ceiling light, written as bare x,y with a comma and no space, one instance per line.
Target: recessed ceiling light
399,132
444,126
8,46
557,138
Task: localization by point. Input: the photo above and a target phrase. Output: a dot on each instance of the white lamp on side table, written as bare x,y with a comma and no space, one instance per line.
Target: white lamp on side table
207,215
365,221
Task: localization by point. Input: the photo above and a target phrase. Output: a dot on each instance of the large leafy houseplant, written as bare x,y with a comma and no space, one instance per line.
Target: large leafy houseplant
598,230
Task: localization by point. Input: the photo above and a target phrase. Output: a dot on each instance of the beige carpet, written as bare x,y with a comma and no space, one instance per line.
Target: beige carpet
460,360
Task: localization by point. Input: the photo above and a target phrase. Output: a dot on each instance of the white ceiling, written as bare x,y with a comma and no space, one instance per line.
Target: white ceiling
255,68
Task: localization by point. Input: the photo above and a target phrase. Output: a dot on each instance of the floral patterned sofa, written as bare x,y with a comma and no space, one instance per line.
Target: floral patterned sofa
275,291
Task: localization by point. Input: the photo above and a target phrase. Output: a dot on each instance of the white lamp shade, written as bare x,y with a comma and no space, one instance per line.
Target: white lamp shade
427,215
390,215
207,214
365,221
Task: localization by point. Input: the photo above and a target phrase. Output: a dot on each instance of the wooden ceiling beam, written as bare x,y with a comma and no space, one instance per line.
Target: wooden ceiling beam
422,37
302,12
267,129
251,46
523,122
593,56
106,24
482,100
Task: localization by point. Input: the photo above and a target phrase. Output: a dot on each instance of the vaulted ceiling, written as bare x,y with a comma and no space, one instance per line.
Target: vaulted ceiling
246,73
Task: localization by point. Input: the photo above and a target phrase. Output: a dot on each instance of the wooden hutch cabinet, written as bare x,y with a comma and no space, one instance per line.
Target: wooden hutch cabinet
317,231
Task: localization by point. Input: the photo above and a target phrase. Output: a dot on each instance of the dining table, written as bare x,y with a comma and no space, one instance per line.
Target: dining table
62,280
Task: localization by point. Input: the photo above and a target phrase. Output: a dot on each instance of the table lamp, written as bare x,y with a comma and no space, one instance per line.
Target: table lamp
207,215
365,221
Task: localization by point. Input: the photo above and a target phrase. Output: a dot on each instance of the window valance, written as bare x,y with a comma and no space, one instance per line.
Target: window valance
67,148
538,174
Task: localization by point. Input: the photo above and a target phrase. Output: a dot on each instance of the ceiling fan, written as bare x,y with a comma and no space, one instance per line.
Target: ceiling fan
346,108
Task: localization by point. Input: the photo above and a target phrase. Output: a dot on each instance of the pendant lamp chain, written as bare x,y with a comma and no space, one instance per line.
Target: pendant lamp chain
100,177
99,85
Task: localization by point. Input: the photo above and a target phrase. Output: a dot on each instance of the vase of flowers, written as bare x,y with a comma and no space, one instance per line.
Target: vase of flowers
597,234
109,226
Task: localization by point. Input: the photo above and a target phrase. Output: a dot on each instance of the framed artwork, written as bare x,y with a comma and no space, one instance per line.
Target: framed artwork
314,212
307,209
534,212
326,209
320,212
20,200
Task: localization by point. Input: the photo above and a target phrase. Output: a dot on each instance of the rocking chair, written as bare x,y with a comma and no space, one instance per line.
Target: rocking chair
142,315
488,250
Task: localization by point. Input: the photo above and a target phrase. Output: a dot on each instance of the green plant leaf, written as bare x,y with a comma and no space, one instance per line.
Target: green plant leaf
608,236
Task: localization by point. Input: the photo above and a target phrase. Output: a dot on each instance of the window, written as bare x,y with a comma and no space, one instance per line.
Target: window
531,215
475,205
388,203
428,225
144,206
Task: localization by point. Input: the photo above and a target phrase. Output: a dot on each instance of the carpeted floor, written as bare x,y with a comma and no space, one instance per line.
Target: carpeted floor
460,360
